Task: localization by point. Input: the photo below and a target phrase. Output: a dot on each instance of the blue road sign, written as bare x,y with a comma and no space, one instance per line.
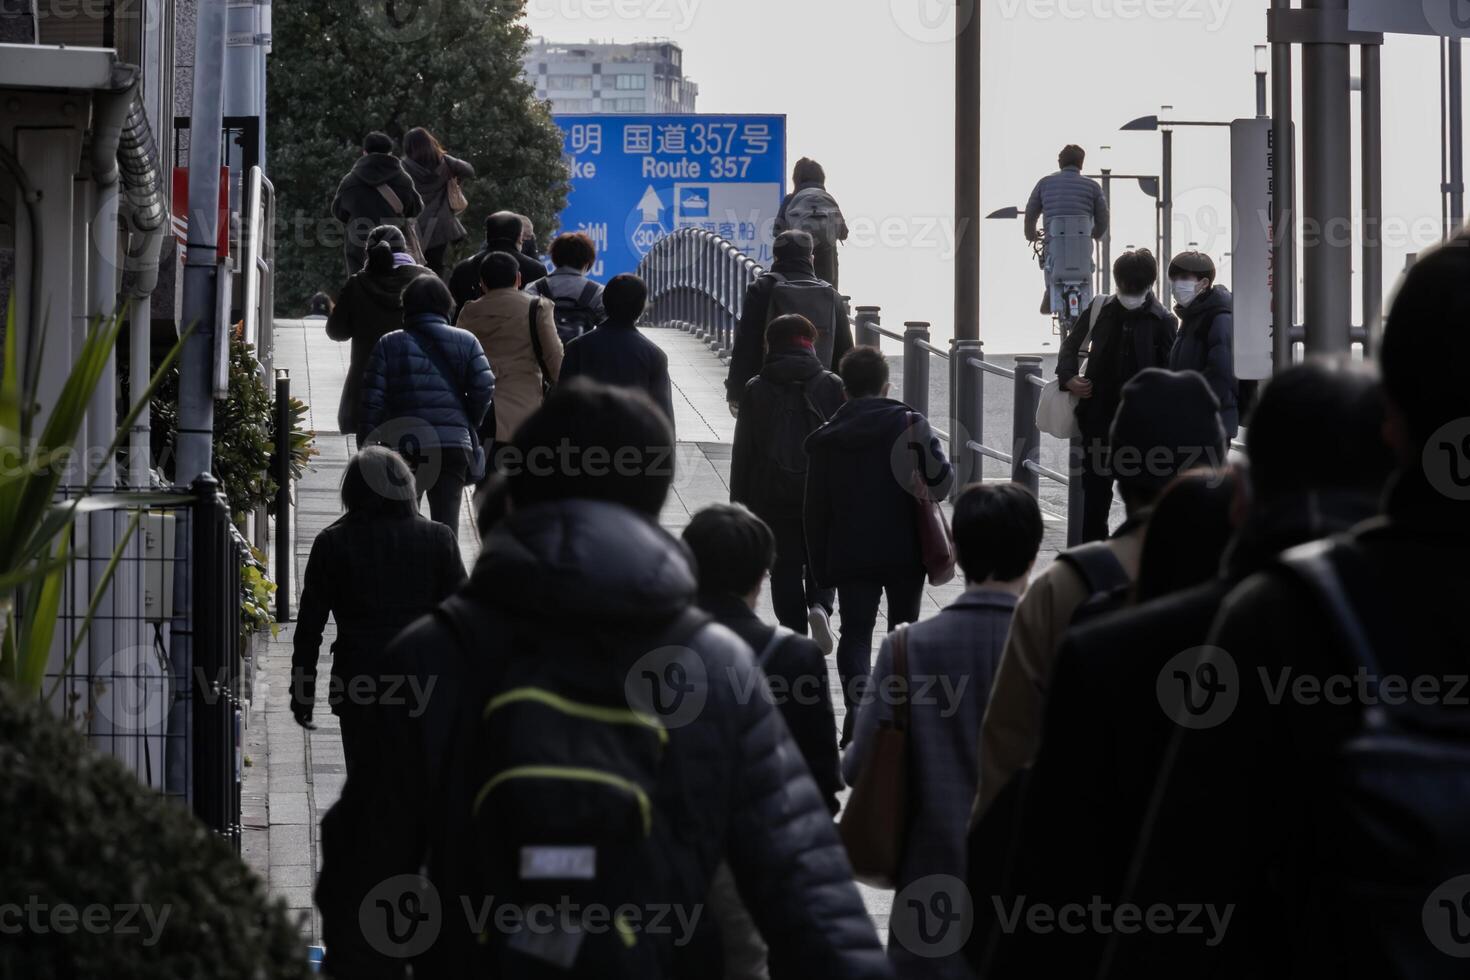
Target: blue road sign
636,179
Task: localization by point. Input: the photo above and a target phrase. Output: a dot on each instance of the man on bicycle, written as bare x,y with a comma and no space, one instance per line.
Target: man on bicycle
1064,194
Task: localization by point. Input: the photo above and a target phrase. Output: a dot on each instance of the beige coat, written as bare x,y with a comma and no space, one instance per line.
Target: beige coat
1011,731
501,319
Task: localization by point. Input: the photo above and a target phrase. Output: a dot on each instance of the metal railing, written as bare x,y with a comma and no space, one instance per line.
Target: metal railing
697,282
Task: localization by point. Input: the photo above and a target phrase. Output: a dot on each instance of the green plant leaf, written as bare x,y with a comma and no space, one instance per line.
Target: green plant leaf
38,625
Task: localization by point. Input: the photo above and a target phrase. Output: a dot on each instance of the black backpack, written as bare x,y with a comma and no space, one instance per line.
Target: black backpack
575,315
569,770
1106,580
1392,852
796,417
812,298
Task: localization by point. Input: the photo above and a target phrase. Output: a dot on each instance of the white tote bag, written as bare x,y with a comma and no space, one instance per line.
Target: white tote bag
1056,413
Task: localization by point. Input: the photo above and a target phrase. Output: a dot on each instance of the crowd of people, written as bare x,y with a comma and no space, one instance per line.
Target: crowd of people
1110,768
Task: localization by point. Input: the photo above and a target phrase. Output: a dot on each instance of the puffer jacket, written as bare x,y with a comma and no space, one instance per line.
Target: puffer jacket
438,225
1206,344
403,386
609,580
369,307
750,333
755,477
1067,193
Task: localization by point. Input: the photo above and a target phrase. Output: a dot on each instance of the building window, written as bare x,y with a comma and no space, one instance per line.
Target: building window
569,83
634,83
628,105
574,105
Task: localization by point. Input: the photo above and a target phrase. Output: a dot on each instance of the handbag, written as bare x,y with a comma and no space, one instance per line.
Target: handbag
874,824
478,462
454,193
1056,411
936,541
410,227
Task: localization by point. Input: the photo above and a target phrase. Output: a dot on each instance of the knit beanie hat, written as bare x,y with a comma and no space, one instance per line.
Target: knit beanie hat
1167,422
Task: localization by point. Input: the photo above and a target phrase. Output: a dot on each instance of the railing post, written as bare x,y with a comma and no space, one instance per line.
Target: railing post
1075,458
283,495
1026,439
968,418
863,332
916,366
211,754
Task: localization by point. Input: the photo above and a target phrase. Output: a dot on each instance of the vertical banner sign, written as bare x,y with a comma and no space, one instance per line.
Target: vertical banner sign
1446,18
636,179
1252,199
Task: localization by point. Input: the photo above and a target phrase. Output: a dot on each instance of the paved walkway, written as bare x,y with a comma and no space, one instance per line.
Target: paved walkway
293,776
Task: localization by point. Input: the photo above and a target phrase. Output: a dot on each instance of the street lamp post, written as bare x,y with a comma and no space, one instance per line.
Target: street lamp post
967,170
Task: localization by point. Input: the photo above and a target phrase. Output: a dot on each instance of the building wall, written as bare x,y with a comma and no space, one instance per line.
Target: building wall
611,78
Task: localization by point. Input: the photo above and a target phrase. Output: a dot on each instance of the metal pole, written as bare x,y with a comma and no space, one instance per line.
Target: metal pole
916,367
1372,152
1261,111
864,327
1075,459
1107,239
1166,202
1327,195
283,495
969,417
967,170
201,266
1457,136
1283,202
1026,438
1444,138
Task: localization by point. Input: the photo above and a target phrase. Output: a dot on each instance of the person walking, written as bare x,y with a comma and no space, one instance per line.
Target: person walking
617,353
433,171
861,512
376,191
502,234
1206,340
426,391
576,299
1124,334
997,534
791,397
794,277
519,337
810,208
592,780
374,570
369,307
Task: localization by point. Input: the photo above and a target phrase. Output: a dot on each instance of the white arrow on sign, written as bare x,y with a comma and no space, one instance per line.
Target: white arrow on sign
651,206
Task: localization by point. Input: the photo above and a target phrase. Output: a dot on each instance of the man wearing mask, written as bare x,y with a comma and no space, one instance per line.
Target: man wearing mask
503,233
1206,340
1123,334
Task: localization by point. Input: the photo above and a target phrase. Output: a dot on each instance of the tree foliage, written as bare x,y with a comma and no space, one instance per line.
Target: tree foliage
343,68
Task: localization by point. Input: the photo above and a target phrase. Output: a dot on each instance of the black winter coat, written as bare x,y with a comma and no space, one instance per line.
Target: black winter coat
438,225
361,207
374,577
464,281
1123,342
861,513
369,307
797,671
1105,737
607,580
755,478
750,334
404,386
618,354
1206,344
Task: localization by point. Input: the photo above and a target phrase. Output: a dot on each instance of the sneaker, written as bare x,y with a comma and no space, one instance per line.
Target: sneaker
821,625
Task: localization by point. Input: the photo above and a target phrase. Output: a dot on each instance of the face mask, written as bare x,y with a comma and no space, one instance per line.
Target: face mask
1185,290
1131,302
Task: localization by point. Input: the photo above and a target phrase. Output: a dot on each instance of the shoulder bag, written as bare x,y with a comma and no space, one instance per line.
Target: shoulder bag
410,227
874,824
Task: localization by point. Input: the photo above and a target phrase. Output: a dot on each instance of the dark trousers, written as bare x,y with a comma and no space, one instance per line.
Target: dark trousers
434,259
359,737
446,494
1096,470
859,604
793,590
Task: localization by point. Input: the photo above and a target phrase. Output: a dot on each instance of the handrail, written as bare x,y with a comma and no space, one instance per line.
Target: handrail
926,346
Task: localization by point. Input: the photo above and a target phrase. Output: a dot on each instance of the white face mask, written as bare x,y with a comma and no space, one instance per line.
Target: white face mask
1187,290
1132,302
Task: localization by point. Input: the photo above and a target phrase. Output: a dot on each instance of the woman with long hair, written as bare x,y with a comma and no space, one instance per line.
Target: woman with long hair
432,169
369,306
375,570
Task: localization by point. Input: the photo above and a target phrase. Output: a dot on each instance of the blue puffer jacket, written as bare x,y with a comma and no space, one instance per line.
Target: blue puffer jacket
402,383
1063,193
1206,344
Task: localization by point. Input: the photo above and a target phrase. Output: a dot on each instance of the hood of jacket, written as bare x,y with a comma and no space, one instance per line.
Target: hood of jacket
861,422
584,561
788,366
373,169
794,268
1203,310
428,179
386,290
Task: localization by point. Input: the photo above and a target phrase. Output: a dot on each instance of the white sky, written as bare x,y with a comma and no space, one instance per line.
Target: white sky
867,86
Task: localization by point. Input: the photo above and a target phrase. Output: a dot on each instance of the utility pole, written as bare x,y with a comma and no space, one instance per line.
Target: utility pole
967,170
1327,197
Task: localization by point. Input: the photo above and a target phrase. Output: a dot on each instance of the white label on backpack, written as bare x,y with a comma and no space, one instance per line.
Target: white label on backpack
541,863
